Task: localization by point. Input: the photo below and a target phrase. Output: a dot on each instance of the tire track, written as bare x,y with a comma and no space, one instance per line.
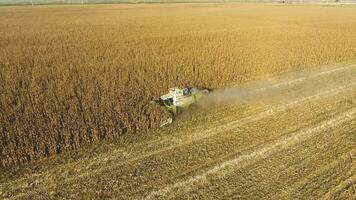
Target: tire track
330,172
325,156
340,188
223,168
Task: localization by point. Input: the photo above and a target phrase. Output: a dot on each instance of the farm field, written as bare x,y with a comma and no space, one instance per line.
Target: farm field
74,75
78,82
293,139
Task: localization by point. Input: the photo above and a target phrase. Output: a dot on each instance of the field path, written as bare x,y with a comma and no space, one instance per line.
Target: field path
293,137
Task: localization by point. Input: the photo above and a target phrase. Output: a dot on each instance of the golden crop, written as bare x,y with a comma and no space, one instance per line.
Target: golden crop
73,75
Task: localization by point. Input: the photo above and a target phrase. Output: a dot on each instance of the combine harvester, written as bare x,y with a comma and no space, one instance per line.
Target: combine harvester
178,100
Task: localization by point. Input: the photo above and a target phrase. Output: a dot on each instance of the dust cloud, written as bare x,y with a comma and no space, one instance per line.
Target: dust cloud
280,89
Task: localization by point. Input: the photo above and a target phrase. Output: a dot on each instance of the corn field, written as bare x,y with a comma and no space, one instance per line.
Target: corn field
74,75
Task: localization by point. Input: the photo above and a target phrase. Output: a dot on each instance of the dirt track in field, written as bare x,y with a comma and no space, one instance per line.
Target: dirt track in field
293,137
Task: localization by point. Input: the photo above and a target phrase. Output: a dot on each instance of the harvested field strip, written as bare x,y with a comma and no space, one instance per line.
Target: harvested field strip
333,182
335,175
225,167
342,189
201,155
283,175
